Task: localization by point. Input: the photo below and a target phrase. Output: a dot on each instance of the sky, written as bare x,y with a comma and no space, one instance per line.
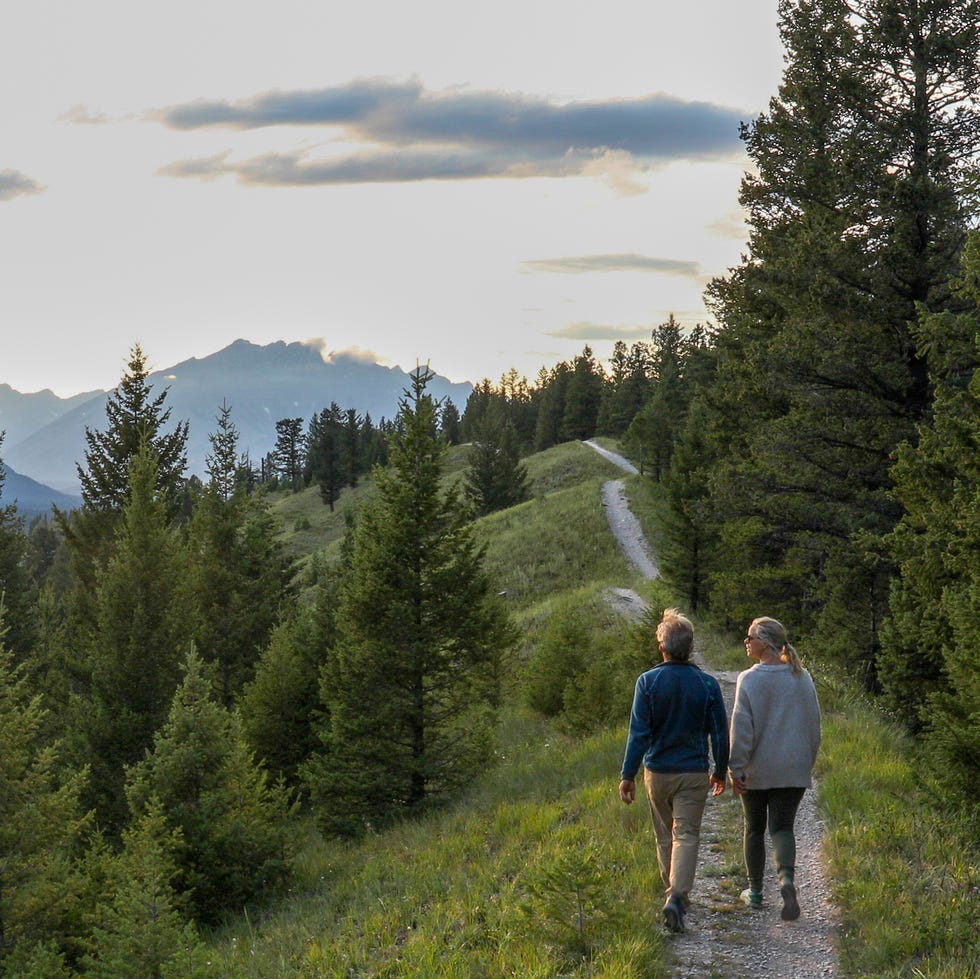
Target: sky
475,186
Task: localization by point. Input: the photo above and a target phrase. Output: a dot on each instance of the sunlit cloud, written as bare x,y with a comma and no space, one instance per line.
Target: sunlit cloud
81,115
13,184
731,225
349,355
405,133
626,262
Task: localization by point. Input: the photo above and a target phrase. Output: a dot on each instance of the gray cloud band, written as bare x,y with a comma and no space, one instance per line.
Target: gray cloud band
456,135
627,262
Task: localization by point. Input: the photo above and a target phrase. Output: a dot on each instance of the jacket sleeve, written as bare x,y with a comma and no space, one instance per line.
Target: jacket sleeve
640,732
719,735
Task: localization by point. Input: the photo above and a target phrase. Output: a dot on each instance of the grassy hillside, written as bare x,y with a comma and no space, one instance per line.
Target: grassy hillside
537,870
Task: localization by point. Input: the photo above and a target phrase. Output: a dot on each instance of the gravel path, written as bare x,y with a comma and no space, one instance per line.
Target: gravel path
724,939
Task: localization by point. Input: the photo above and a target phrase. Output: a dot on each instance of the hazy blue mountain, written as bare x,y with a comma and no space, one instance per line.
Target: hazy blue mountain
21,415
31,497
261,385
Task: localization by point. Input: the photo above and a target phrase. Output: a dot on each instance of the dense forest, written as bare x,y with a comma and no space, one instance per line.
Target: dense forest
174,692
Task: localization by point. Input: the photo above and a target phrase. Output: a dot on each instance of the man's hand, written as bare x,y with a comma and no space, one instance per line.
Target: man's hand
738,785
717,785
627,791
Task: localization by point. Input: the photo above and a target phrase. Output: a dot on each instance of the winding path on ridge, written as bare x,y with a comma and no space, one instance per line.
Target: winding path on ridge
723,938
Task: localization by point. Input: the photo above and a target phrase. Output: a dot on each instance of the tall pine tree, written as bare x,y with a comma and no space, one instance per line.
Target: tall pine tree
237,573
413,679
131,666
857,219
928,659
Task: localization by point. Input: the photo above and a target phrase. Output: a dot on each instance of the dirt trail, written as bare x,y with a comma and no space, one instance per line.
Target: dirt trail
724,938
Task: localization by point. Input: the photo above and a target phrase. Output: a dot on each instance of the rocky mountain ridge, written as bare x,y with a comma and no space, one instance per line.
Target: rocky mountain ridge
260,384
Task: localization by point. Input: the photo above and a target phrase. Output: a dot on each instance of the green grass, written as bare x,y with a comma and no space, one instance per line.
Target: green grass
309,525
905,873
537,871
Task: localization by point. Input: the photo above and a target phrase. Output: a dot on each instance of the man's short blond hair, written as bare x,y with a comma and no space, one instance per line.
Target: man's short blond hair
676,634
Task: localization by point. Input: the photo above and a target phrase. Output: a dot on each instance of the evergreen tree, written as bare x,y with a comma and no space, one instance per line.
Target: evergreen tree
676,366
234,829
17,591
856,222
136,419
449,423
237,573
222,462
519,407
325,442
141,930
351,446
479,402
627,390
41,829
582,398
495,478
132,668
551,401
688,538
279,706
415,670
288,452
927,663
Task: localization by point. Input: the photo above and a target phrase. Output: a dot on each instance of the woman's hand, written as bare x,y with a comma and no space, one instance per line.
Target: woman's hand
739,785
627,791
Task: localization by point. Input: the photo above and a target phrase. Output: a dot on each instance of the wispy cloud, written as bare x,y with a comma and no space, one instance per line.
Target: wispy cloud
585,330
407,133
81,115
731,225
627,262
13,184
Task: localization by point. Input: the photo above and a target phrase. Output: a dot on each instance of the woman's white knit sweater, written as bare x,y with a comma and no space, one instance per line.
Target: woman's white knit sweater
775,729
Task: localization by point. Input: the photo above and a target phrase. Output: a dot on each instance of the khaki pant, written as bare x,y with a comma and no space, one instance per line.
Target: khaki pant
677,804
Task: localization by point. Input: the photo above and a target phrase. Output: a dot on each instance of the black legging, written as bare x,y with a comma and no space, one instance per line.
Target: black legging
777,807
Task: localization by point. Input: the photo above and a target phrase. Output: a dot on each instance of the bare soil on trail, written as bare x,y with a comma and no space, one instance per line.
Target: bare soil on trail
723,938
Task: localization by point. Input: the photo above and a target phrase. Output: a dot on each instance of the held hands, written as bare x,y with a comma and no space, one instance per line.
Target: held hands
627,791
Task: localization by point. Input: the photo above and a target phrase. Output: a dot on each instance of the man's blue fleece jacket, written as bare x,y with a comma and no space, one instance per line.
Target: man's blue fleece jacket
677,708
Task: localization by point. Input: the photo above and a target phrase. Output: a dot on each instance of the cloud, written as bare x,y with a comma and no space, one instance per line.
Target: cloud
81,115
349,355
405,133
585,330
626,262
731,225
13,184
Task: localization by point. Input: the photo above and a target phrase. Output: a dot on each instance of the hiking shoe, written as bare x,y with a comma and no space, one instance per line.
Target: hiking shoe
791,908
752,898
674,915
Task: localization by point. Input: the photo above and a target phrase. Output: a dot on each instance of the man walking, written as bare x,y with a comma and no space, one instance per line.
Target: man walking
677,709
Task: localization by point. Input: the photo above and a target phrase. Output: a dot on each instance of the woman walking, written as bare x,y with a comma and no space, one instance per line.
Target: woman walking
775,734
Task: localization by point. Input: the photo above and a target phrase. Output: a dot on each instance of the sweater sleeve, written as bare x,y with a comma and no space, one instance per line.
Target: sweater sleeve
742,732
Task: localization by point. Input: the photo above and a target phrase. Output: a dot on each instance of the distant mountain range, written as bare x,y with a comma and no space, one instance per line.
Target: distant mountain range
33,498
260,384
